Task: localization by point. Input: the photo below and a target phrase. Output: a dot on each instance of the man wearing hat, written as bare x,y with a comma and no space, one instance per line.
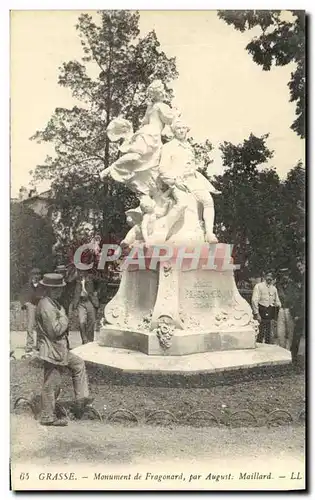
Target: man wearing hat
29,298
265,304
69,274
86,302
52,327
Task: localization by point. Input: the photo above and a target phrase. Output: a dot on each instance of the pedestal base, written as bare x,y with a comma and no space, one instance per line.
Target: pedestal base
183,342
208,362
182,307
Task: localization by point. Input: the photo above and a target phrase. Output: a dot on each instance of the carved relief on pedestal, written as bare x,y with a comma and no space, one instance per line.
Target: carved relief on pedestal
115,314
146,322
189,321
165,331
229,319
237,315
221,319
254,323
167,269
167,300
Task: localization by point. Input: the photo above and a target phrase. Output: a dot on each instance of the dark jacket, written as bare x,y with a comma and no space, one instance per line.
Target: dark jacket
68,291
32,294
296,300
67,296
52,326
90,286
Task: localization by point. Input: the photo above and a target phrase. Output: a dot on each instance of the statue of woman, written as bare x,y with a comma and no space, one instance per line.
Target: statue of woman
138,166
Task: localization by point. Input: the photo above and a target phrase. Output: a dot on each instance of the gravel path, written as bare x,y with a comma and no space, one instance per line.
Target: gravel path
96,442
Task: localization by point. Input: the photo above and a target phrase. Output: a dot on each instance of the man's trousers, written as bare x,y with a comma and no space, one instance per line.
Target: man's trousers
31,343
87,319
264,331
52,384
285,328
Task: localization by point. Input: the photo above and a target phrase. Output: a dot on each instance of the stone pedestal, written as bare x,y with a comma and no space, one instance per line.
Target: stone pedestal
179,304
131,361
183,341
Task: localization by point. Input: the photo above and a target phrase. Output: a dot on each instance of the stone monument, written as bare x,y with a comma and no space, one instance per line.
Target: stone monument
177,297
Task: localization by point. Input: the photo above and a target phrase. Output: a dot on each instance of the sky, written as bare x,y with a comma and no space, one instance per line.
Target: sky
220,91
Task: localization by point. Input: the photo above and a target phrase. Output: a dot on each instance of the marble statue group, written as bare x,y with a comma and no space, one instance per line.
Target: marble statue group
170,311
176,205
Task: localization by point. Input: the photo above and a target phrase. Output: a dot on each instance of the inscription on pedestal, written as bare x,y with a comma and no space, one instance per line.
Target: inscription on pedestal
204,295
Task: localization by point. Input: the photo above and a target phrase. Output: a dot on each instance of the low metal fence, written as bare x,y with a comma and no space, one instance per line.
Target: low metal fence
196,418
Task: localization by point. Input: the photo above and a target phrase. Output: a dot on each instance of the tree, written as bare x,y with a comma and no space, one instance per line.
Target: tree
281,42
202,152
124,65
262,216
246,210
293,219
31,241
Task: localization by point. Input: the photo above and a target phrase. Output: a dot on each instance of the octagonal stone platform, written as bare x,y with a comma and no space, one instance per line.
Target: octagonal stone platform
207,362
183,343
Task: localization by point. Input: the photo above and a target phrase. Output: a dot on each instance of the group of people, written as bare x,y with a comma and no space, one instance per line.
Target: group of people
47,301
80,291
280,310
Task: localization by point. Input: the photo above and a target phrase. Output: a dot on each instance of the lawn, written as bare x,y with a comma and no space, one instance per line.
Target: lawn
260,392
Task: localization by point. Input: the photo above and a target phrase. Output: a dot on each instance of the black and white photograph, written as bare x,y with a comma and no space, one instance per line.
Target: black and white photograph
157,250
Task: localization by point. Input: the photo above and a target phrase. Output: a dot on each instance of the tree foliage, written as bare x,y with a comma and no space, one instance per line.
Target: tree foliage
262,216
293,218
31,241
110,80
202,152
280,42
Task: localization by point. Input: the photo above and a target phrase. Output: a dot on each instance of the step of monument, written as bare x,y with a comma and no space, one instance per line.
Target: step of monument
208,362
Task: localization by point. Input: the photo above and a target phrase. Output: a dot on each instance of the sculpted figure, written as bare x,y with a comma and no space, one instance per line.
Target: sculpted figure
137,167
142,218
151,220
178,170
134,235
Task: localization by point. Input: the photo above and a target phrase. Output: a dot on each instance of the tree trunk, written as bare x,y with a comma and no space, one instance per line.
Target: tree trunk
105,228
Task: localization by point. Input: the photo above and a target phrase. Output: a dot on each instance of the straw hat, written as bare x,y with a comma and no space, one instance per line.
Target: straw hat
61,269
53,280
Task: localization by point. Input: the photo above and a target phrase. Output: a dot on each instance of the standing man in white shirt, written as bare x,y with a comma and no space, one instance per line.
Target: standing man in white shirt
265,304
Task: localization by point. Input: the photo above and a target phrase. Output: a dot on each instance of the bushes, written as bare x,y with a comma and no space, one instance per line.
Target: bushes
31,242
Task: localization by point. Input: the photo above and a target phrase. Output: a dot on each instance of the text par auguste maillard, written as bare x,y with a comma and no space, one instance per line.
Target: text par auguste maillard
150,476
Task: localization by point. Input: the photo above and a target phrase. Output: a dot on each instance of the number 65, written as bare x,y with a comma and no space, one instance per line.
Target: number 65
24,475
